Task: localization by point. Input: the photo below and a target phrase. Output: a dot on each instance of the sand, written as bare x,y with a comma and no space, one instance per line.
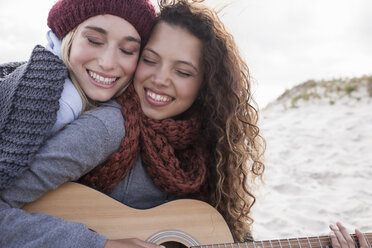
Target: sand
318,168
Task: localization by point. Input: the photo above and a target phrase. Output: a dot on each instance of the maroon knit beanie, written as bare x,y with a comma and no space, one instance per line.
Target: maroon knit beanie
65,15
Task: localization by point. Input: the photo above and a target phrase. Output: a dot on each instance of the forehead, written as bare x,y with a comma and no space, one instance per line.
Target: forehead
175,42
111,24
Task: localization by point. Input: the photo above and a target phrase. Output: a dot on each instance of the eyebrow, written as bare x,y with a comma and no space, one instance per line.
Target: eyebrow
103,31
179,61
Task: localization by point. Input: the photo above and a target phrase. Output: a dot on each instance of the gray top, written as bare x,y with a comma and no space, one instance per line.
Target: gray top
68,155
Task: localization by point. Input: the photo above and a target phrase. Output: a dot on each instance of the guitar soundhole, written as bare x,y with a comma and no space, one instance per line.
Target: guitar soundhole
173,244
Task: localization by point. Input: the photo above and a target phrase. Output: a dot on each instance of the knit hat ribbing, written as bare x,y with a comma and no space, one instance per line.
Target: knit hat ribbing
65,15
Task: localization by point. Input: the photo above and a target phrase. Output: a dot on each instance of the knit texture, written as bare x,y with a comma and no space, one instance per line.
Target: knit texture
174,155
66,15
29,94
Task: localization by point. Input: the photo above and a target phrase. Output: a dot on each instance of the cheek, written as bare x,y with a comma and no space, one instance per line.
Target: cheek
79,56
188,91
129,65
140,74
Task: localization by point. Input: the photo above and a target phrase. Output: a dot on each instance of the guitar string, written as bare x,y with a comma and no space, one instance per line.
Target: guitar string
311,241
299,242
368,234
320,242
308,240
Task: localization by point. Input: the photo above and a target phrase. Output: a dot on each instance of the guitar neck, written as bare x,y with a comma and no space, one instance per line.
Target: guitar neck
308,242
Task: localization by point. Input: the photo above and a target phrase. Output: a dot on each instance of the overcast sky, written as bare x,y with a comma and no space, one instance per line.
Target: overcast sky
284,42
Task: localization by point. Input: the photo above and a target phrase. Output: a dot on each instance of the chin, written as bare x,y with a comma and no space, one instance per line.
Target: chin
101,99
154,115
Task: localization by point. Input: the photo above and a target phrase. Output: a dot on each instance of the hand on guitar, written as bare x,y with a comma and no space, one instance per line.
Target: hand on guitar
341,238
130,243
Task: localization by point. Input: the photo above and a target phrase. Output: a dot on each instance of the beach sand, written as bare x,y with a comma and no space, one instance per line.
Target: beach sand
318,167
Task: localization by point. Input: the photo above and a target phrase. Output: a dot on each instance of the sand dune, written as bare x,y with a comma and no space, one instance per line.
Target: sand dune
319,163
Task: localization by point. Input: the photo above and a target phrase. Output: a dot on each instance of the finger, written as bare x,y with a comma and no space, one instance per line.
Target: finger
340,237
362,239
334,240
146,244
350,241
153,245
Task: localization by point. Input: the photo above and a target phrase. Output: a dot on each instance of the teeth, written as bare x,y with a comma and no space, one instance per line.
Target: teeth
101,79
158,98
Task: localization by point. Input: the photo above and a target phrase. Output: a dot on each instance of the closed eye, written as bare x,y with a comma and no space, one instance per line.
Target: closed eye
94,42
184,74
126,52
148,61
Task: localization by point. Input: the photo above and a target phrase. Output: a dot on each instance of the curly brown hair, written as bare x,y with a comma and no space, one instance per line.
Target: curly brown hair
229,117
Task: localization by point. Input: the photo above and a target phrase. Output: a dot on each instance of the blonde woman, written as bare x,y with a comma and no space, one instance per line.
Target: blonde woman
92,52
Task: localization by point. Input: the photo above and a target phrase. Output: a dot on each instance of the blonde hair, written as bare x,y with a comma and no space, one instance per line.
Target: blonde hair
65,55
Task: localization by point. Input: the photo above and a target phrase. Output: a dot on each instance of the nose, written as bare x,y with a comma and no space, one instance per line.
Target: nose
107,60
161,77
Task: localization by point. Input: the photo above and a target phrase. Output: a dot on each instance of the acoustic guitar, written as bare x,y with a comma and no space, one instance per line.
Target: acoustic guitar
188,223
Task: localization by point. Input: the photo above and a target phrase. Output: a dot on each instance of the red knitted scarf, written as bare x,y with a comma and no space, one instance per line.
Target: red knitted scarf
173,158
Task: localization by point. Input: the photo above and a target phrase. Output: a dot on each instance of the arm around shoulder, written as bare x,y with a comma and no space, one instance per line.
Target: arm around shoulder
68,155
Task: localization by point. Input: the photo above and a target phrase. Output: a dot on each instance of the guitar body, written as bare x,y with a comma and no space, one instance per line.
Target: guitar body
189,222
174,224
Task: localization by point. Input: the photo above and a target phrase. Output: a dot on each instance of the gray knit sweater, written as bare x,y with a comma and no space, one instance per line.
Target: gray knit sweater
29,94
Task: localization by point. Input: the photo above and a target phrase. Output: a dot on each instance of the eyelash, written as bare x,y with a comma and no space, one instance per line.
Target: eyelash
181,73
148,61
126,52
184,74
94,42
100,43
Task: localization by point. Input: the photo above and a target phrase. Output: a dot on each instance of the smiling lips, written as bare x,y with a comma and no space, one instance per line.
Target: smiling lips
101,81
156,98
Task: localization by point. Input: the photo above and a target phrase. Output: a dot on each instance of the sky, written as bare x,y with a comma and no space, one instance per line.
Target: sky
284,42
